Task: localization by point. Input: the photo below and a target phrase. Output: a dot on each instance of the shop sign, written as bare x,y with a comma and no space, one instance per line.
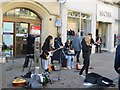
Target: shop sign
35,30
58,22
104,13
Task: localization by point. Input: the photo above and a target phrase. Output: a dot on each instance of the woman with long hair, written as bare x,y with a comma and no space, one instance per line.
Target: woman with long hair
46,48
86,54
69,51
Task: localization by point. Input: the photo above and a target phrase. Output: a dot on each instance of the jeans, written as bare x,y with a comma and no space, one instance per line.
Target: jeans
70,59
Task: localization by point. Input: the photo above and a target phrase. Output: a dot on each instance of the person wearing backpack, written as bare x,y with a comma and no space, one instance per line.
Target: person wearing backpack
117,63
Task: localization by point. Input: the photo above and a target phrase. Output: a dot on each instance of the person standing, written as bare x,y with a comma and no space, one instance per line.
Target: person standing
76,45
91,41
98,44
58,41
46,48
117,63
59,53
86,54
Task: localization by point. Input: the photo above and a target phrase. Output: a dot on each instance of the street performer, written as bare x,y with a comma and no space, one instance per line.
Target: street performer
46,48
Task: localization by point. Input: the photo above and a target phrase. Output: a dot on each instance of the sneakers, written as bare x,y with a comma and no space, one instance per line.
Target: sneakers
73,67
69,67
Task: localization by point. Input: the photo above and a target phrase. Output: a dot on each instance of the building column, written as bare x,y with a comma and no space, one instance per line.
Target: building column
63,29
1,20
110,37
89,26
93,31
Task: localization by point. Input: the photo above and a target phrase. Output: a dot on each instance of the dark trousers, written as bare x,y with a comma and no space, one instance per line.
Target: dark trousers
98,48
77,54
86,64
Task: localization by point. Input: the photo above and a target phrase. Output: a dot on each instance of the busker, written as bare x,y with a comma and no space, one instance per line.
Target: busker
69,51
86,54
46,48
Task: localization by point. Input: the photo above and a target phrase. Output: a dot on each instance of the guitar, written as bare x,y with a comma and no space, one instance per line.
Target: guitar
19,82
50,53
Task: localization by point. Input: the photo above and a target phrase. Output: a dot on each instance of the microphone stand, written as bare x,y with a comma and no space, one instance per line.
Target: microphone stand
61,50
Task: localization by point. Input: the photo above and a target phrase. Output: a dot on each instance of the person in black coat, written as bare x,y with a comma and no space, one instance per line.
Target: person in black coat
91,41
46,48
59,54
86,54
117,63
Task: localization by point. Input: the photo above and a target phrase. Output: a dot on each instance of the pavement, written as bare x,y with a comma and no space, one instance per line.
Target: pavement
102,63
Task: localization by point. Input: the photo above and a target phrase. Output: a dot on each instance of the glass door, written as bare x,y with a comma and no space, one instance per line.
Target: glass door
21,38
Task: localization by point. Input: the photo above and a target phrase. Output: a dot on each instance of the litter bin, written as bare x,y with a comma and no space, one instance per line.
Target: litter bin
2,70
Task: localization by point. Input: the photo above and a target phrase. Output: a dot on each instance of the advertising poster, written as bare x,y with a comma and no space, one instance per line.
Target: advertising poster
7,27
8,37
35,30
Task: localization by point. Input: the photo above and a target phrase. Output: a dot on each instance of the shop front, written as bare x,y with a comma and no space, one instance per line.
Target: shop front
17,24
104,26
19,19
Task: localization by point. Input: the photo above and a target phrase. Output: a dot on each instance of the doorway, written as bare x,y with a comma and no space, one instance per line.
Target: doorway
24,22
21,38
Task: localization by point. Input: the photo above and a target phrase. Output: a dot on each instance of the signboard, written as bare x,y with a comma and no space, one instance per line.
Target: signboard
57,22
7,27
104,13
35,30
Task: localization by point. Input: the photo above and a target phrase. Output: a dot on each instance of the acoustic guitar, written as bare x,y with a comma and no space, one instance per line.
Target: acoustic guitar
19,82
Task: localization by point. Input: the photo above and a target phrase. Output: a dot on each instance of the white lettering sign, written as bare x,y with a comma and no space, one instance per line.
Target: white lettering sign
104,13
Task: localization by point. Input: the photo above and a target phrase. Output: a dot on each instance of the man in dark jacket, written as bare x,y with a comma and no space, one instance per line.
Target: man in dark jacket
98,44
117,63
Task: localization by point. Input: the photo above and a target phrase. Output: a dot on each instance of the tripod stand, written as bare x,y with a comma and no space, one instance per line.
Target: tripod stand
61,54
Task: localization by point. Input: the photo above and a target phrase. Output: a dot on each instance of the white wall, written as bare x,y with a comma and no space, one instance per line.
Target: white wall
83,6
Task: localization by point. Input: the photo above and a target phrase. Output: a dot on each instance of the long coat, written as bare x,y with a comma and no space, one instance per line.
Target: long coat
117,59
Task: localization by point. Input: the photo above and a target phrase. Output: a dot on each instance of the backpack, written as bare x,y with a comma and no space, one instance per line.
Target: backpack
36,81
